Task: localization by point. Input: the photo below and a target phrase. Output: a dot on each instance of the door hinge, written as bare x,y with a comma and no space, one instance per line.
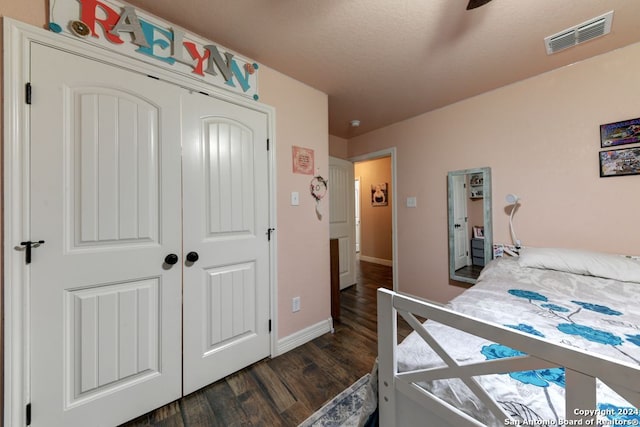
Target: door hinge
269,325
28,413
27,93
267,144
269,231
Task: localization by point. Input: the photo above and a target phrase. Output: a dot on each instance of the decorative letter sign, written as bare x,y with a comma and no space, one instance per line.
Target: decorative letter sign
137,34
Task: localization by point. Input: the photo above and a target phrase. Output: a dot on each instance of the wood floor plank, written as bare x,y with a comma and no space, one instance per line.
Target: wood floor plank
197,411
331,365
286,390
259,410
241,382
311,385
271,384
167,416
225,405
296,414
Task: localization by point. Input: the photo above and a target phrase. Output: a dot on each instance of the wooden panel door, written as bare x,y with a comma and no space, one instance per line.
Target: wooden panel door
342,217
105,309
226,218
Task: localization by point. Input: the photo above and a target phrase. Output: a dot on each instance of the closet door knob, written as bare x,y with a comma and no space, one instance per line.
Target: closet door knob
171,259
193,256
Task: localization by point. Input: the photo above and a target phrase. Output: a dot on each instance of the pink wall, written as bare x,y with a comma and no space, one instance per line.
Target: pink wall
375,221
541,139
302,240
338,147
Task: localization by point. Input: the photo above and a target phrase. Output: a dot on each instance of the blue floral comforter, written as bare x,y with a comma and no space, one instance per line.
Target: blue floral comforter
598,315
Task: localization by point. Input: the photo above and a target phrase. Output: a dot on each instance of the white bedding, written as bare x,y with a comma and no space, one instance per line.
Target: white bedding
595,314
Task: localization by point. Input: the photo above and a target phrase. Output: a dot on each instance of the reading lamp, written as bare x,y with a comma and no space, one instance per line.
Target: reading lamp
513,200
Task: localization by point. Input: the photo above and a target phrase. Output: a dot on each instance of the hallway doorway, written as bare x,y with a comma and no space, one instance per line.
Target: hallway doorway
376,173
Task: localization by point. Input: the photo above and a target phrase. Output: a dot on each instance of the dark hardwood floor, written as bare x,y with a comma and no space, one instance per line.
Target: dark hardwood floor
285,390
470,271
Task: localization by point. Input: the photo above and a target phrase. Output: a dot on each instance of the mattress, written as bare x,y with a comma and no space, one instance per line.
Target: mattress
596,314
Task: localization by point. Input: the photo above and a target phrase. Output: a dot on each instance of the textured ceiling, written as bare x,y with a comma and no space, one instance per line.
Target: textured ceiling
383,61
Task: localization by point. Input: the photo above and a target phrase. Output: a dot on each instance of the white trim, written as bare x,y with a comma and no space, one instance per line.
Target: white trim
16,173
387,262
273,248
17,40
389,152
304,336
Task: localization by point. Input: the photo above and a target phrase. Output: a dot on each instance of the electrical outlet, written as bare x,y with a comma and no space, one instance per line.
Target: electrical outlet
295,304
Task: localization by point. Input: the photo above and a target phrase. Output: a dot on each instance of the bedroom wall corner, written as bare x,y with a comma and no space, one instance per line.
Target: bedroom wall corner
541,138
303,239
338,147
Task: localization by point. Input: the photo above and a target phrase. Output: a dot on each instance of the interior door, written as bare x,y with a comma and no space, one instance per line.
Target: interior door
342,217
226,221
105,309
460,230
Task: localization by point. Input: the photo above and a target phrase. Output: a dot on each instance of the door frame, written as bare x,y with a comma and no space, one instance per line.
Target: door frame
358,212
18,38
388,152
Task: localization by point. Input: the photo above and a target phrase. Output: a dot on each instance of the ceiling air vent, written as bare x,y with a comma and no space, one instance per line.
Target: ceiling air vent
581,33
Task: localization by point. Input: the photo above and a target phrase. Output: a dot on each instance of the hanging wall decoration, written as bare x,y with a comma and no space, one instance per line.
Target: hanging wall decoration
379,194
620,133
624,161
319,189
302,160
119,27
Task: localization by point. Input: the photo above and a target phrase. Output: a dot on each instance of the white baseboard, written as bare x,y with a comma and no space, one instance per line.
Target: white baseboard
304,336
387,262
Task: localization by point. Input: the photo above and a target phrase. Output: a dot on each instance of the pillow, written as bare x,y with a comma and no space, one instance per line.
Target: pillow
608,266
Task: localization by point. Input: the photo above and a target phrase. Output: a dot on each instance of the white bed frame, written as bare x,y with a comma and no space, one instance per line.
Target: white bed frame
403,403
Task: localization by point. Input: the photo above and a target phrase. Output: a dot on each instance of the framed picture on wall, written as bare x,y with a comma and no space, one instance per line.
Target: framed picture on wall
379,194
302,160
620,162
620,133
478,232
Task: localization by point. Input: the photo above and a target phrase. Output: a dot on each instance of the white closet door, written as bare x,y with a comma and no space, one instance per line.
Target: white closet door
226,217
105,311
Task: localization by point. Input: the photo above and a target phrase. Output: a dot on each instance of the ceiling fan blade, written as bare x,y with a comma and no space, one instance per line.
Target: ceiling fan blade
476,3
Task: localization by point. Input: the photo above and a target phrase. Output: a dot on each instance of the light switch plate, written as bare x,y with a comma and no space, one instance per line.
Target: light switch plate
412,202
295,198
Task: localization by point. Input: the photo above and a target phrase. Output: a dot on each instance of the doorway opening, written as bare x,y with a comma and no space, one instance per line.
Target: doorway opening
375,174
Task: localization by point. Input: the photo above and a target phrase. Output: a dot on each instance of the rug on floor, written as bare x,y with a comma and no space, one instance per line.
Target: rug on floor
342,410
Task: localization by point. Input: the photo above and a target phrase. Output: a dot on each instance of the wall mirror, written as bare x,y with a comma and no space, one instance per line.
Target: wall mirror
470,229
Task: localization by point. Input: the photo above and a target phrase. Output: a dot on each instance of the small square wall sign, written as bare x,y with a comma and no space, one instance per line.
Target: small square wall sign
302,160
